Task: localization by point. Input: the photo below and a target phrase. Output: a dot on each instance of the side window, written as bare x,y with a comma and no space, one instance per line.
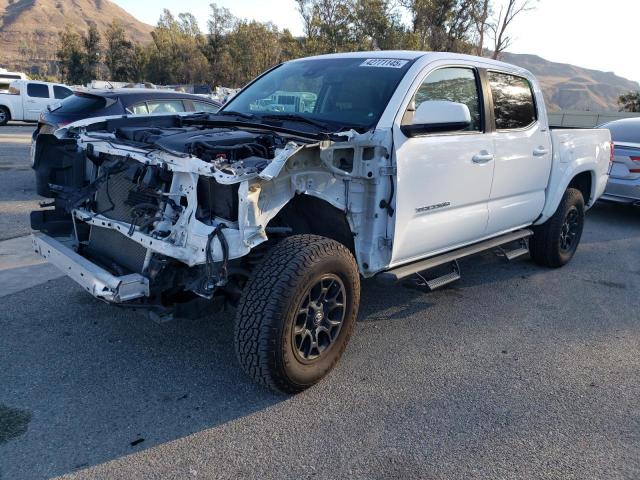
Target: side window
140,109
61,93
512,101
205,107
455,84
37,90
165,106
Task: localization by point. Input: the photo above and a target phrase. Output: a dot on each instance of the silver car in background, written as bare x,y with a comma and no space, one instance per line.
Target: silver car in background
624,179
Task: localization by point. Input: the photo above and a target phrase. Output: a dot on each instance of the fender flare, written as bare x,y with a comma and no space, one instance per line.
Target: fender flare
559,183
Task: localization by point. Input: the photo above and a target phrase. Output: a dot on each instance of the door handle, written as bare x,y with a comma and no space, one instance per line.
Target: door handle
482,157
540,152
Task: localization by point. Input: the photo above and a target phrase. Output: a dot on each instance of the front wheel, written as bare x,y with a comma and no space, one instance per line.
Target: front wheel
297,312
555,242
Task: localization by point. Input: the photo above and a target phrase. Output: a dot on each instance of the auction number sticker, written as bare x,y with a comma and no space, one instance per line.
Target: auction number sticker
384,63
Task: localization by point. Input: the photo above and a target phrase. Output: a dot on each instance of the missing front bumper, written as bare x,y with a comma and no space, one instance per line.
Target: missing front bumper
95,280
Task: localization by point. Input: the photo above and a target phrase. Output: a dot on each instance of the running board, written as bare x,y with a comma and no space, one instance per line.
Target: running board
510,255
441,281
404,271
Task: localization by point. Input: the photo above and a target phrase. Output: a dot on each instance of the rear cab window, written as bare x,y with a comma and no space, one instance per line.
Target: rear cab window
514,105
37,90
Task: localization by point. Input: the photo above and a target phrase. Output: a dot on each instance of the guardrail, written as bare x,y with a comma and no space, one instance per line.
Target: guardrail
582,119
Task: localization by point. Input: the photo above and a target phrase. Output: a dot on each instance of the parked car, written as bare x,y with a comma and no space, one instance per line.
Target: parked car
391,164
624,179
26,99
101,103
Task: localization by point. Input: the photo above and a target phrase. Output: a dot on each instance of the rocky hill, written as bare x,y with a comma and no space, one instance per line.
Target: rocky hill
567,87
29,28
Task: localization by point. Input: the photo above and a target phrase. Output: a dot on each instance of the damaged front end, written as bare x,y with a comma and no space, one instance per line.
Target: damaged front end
156,211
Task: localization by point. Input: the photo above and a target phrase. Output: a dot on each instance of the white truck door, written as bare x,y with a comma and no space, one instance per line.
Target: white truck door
522,154
37,97
443,179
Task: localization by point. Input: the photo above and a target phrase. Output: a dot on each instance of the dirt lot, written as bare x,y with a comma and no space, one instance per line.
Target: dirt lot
514,372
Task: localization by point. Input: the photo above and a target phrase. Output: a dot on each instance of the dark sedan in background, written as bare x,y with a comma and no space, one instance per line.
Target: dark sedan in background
102,103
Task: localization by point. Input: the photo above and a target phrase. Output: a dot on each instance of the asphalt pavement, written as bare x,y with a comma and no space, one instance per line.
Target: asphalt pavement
17,186
515,372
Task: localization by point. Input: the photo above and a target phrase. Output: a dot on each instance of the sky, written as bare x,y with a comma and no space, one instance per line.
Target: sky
587,33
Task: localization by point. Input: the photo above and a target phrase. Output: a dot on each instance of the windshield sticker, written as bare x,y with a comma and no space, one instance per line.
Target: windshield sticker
384,63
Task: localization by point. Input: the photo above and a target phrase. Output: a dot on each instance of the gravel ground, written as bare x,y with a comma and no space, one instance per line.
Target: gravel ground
514,372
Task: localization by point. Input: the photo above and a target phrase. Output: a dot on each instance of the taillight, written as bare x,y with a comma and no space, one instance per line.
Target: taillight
636,160
612,151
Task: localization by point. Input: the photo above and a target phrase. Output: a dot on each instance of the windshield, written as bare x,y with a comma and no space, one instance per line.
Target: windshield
339,92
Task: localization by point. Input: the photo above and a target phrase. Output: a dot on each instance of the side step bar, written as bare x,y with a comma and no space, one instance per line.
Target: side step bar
441,281
510,255
399,273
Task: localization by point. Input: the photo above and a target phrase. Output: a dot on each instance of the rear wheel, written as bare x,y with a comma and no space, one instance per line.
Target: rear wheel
297,312
555,242
5,116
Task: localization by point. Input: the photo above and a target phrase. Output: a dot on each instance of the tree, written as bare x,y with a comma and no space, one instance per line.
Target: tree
119,53
219,25
290,47
176,54
328,25
629,102
480,15
442,25
79,56
93,53
71,57
253,47
138,64
502,40
377,25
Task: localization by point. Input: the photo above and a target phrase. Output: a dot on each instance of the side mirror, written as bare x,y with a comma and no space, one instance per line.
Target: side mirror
438,116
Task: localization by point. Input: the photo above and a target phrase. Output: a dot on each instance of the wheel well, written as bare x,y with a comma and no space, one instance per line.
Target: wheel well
582,182
6,109
305,214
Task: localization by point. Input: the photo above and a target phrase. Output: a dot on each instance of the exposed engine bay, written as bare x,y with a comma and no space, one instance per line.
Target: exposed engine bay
182,206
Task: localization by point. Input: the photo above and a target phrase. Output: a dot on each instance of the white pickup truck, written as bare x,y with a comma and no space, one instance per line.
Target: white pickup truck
321,171
26,99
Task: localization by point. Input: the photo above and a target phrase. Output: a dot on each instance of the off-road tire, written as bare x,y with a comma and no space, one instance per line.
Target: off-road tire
269,307
545,244
5,116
